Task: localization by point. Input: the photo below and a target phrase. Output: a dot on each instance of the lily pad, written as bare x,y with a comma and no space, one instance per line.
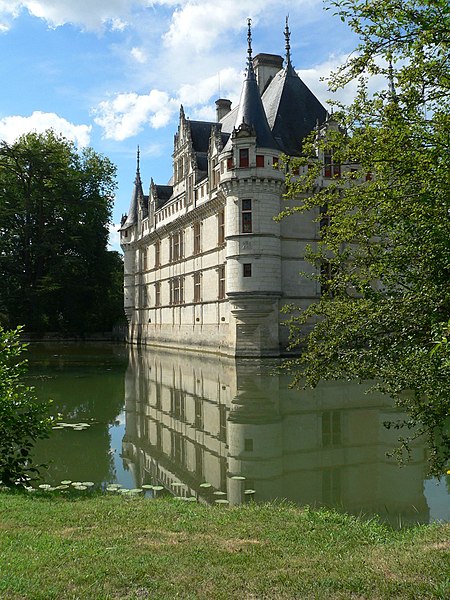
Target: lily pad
44,486
88,483
248,492
219,493
66,481
238,477
221,501
205,485
147,486
81,488
158,488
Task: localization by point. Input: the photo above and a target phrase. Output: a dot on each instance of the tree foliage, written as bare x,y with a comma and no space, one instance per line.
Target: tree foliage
55,207
23,419
384,313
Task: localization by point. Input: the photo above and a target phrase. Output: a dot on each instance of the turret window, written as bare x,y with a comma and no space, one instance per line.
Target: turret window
243,157
259,160
246,226
247,269
221,291
221,228
157,254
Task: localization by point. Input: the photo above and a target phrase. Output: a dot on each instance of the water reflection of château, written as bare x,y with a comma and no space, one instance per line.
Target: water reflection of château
194,418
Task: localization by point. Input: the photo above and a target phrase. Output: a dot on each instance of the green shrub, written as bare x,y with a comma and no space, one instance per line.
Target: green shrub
23,419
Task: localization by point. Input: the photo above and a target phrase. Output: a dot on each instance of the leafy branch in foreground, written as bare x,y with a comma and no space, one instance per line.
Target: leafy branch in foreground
384,256
23,419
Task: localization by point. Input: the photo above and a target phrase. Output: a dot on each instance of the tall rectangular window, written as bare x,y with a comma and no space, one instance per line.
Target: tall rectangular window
221,228
197,287
144,295
247,269
144,259
243,157
331,428
260,160
246,211
197,237
177,290
157,254
158,293
221,291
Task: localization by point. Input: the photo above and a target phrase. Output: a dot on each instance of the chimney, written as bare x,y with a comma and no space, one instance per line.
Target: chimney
266,67
223,107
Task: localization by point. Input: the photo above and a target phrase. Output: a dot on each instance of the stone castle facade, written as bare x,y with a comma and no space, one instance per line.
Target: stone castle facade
206,265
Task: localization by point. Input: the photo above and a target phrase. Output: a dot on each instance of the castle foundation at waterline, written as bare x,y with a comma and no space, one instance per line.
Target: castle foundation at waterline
206,265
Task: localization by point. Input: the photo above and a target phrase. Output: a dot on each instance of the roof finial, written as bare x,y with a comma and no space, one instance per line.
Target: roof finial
392,91
287,35
138,160
249,40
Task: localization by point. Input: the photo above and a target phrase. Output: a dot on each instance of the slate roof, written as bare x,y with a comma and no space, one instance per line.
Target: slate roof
292,110
136,196
163,194
251,111
200,134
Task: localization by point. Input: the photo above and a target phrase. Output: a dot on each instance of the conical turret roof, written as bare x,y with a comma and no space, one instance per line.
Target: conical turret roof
132,215
251,111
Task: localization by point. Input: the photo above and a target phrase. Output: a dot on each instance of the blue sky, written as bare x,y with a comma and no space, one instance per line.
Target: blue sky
112,73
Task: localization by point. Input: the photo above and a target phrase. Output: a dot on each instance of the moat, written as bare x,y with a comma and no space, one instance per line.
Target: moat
215,428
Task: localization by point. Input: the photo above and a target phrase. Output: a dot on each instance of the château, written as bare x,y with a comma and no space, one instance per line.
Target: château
206,265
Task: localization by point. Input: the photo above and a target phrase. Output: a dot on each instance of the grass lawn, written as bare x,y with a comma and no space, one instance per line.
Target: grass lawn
104,547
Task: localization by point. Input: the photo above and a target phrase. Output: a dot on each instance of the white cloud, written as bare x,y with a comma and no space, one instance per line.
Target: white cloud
86,14
139,55
13,127
126,114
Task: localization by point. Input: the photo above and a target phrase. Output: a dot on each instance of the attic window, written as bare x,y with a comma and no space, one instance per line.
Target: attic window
243,157
259,160
229,164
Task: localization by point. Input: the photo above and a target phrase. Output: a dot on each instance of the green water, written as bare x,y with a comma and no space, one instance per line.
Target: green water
215,428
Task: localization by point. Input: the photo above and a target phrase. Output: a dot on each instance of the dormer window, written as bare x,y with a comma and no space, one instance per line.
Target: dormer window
243,158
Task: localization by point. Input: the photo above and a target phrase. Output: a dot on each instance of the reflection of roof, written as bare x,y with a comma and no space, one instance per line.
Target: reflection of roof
292,110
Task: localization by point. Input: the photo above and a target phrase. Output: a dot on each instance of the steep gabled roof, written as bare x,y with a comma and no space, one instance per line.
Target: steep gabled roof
292,110
200,134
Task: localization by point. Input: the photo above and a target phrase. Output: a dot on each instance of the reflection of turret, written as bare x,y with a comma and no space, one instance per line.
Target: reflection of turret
254,434
206,420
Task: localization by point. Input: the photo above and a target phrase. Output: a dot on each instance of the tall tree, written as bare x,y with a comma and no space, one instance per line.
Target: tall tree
384,256
55,207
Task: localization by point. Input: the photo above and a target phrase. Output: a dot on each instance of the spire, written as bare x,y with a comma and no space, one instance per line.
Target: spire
287,36
392,91
250,70
138,173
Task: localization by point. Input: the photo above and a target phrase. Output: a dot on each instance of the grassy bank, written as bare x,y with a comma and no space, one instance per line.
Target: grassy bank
110,547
